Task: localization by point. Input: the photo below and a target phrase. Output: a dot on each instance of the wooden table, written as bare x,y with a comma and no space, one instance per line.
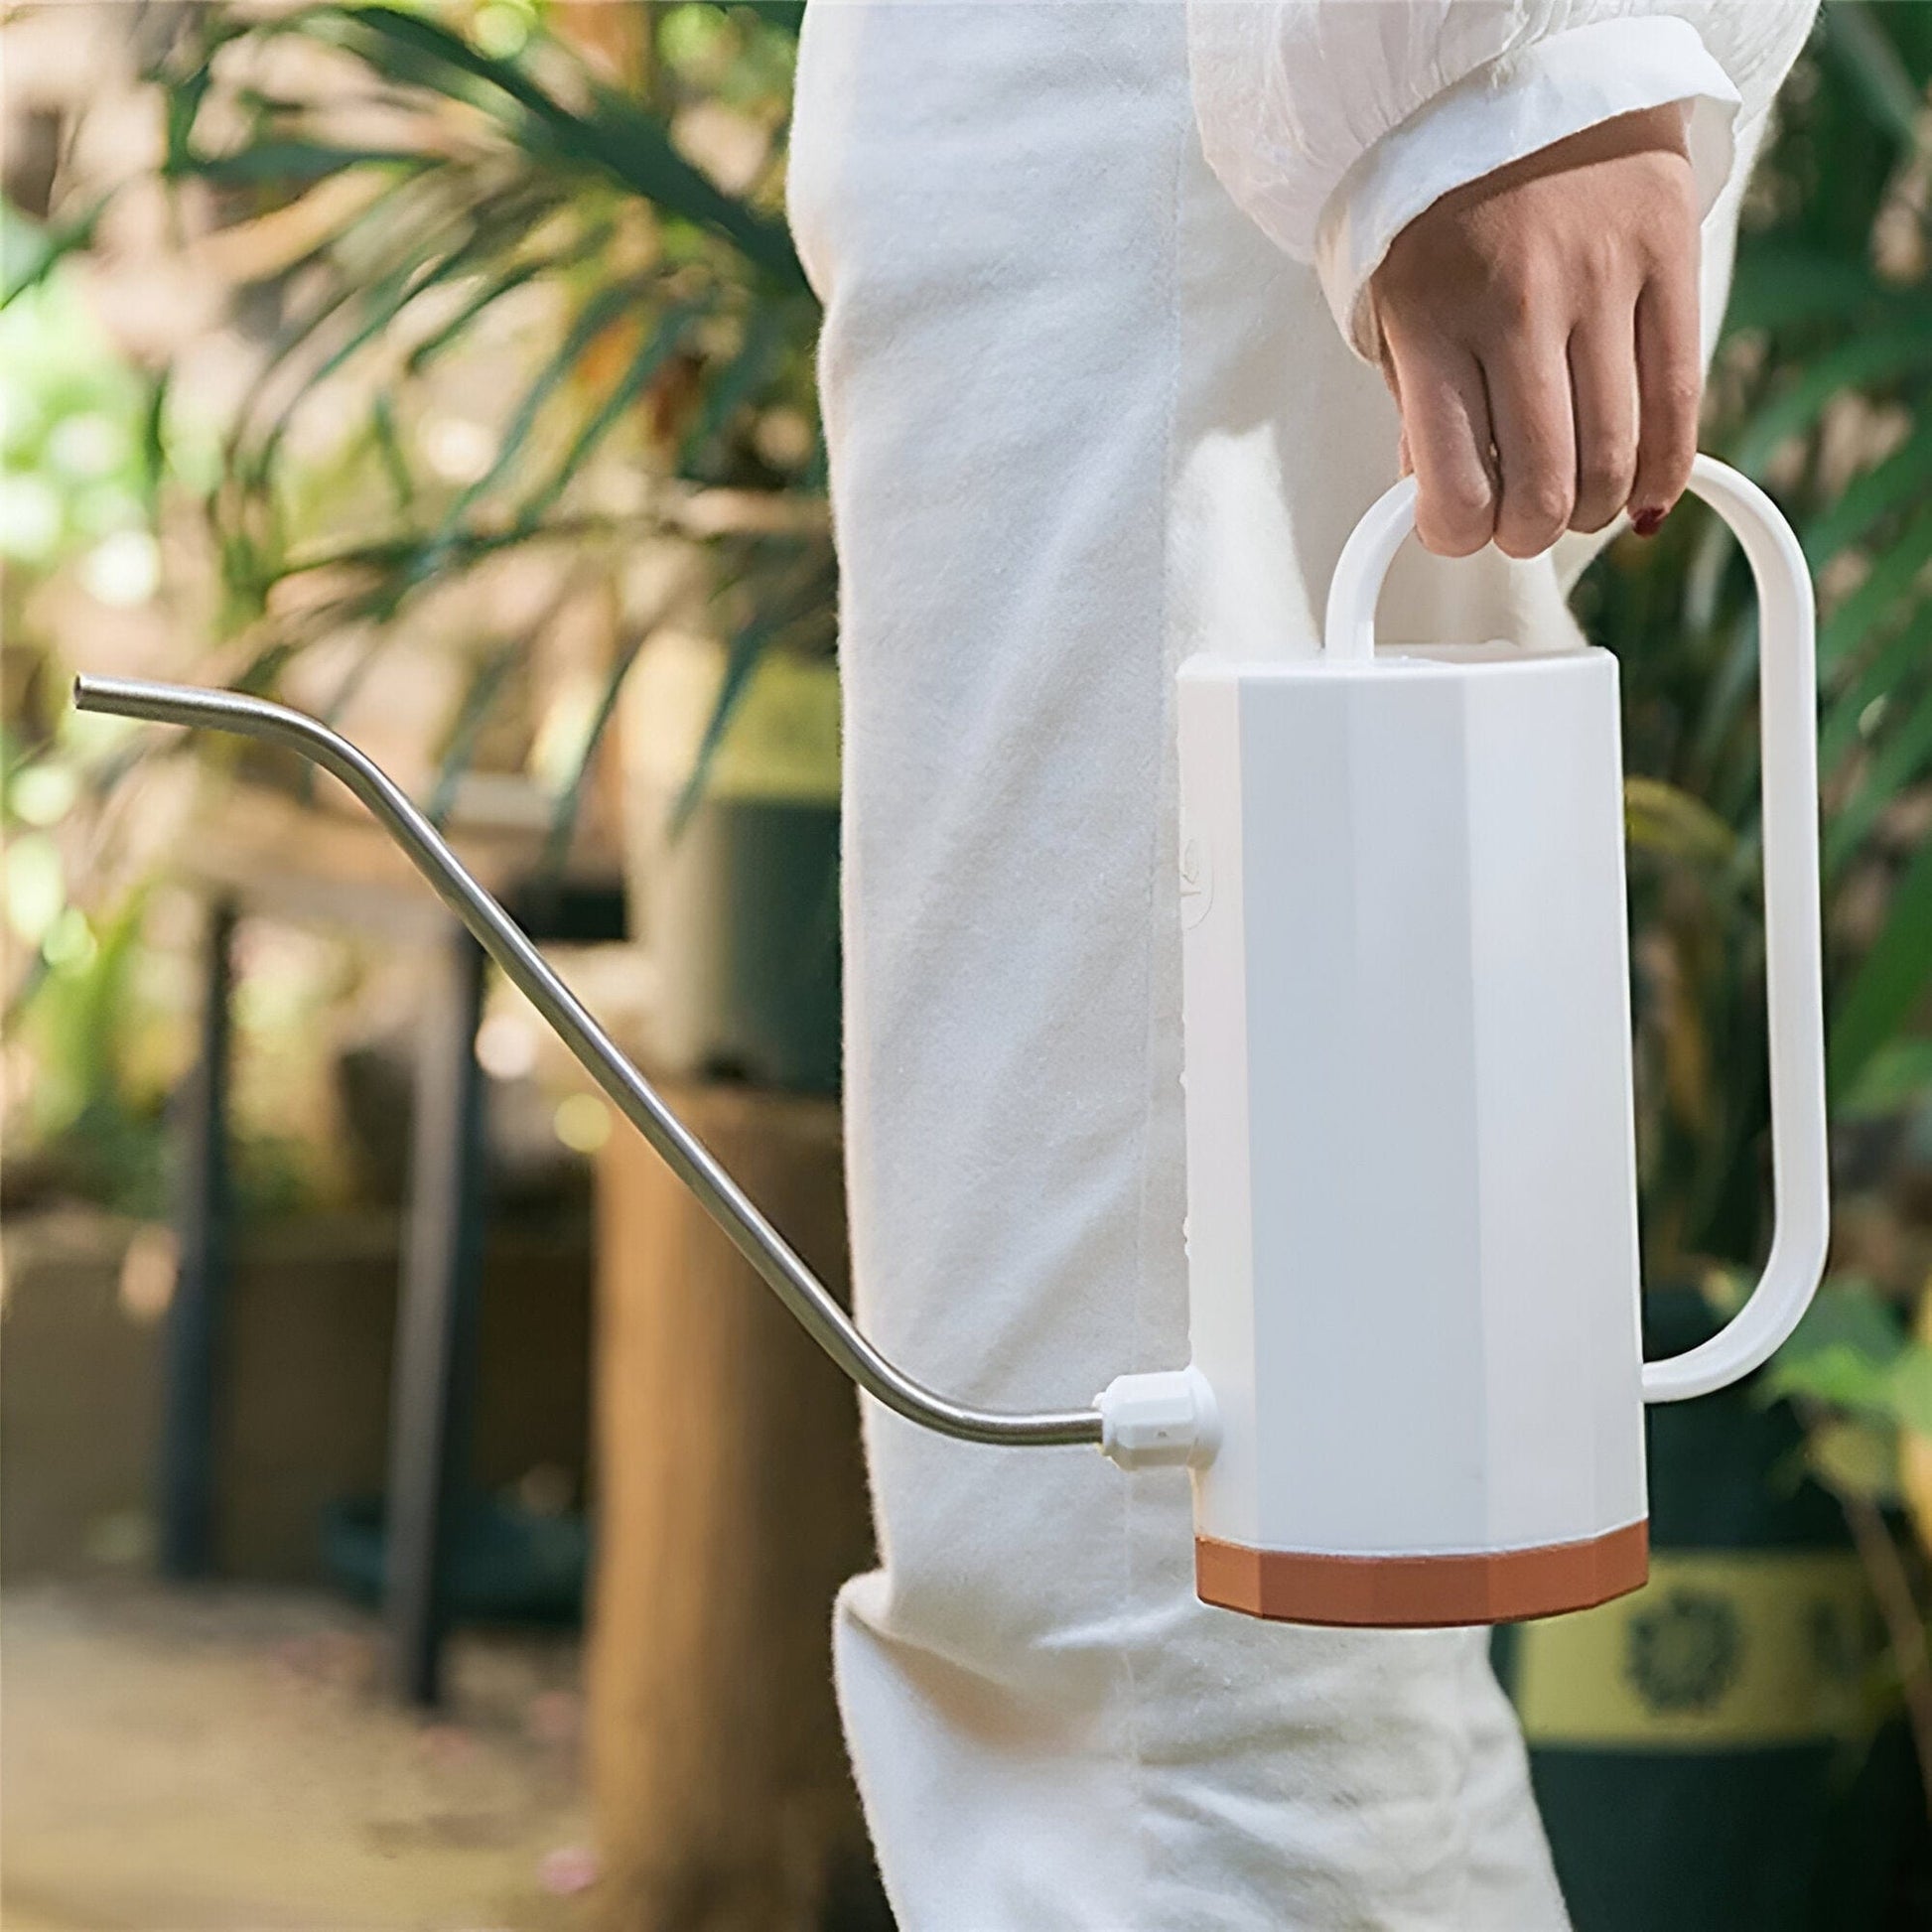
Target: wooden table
324,863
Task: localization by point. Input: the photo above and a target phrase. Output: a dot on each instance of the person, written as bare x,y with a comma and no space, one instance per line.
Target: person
1130,311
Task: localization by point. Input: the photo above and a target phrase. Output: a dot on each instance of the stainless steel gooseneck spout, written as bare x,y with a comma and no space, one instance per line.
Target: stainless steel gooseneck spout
808,1299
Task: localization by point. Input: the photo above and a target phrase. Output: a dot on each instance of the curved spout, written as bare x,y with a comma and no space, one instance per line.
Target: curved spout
802,1292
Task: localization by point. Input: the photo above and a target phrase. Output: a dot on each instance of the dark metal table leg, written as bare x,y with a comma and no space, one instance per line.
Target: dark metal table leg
196,1316
436,1324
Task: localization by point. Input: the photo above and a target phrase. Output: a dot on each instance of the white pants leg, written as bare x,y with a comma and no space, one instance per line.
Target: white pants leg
1083,419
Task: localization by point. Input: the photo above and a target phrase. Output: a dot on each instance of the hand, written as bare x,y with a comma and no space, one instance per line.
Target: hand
1540,332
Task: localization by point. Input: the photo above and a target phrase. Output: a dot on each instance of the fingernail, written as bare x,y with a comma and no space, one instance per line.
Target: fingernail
1647,523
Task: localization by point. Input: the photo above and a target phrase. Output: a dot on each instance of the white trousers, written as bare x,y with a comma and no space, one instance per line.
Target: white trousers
1085,420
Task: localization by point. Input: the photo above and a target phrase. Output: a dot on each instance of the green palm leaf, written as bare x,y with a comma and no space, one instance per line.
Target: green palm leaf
1892,978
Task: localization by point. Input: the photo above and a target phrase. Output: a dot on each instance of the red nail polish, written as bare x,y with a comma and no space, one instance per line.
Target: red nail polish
1647,523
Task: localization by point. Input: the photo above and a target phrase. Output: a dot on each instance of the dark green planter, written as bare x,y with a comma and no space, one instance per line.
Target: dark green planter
754,893
736,902
1699,1748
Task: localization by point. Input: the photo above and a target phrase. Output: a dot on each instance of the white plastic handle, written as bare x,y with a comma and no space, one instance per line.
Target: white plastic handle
1793,965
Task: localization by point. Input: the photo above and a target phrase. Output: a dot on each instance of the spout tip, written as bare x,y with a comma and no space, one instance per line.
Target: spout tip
113,697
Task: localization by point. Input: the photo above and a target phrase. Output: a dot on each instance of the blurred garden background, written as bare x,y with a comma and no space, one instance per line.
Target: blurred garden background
445,369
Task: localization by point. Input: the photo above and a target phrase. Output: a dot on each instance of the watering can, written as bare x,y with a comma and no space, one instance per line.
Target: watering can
1417,1387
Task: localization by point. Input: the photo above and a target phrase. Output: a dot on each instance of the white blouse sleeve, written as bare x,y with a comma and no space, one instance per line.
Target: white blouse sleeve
1334,123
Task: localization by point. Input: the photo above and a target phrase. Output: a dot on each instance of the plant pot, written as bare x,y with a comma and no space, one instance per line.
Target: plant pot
735,900
1702,1751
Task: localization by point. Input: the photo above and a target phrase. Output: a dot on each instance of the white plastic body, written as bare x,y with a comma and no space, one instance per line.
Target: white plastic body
1412,1188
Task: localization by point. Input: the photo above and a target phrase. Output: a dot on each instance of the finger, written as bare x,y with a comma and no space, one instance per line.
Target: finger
1670,389
1603,399
1404,463
1446,438
1535,443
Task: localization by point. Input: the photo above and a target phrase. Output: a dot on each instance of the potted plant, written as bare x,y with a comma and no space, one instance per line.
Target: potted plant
589,200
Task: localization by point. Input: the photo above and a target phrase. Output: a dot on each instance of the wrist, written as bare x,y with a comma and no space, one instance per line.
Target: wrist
1514,108
1659,131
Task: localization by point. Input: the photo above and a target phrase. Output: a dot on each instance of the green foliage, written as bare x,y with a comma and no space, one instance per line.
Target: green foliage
424,215
74,474
1851,1351
99,1128
1822,389
518,203
74,468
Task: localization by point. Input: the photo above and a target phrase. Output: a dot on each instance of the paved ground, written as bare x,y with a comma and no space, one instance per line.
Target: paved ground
223,1762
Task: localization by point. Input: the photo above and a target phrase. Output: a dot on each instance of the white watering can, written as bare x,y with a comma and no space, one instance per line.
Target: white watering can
1417,1389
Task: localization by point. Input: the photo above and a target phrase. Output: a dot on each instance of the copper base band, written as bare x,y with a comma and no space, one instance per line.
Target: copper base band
1421,1593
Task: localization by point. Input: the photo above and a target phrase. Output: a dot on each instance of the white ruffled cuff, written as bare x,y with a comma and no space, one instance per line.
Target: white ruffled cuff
1514,106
